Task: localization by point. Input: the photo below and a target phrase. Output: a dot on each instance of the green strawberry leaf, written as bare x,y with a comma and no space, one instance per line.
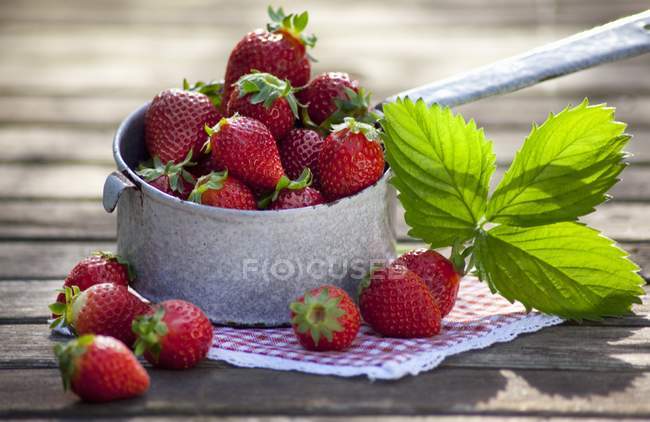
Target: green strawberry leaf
564,269
563,170
442,167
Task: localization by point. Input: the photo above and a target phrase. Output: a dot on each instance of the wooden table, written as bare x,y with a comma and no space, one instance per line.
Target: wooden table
70,71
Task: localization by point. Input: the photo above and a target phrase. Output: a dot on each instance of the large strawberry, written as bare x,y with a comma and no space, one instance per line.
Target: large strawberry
280,50
100,369
305,197
299,150
172,179
174,121
325,318
105,309
350,159
395,302
222,190
438,273
100,267
176,336
332,96
266,98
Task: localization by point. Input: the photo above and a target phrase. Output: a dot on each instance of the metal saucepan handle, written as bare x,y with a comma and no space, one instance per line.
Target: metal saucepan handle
116,183
626,37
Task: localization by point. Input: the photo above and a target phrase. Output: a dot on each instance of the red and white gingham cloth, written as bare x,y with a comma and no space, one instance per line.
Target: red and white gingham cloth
478,320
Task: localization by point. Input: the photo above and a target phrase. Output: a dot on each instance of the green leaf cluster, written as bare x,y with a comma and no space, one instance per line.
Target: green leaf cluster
525,239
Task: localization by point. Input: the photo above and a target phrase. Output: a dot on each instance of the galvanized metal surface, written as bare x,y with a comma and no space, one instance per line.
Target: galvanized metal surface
241,267
626,37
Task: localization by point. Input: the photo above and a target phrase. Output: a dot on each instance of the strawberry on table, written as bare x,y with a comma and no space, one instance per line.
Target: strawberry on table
332,96
299,150
280,50
104,309
172,179
437,272
395,302
177,335
222,190
99,267
325,318
266,98
100,369
174,121
350,160
305,197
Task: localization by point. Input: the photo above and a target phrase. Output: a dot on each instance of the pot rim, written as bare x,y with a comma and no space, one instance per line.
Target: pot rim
216,212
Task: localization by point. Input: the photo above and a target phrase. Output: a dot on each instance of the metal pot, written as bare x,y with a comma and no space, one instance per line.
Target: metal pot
244,267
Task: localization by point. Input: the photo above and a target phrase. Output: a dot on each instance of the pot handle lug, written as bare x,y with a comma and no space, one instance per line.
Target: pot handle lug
115,184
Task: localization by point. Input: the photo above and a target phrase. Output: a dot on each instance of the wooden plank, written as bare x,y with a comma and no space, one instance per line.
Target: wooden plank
64,181
448,391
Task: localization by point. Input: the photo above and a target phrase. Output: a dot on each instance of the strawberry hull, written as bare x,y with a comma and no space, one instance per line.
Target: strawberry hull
241,267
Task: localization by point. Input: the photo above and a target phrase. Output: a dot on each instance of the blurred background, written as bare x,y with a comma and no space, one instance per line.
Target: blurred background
71,70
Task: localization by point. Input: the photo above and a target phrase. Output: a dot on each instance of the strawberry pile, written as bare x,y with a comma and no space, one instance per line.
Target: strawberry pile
406,299
269,136
96,304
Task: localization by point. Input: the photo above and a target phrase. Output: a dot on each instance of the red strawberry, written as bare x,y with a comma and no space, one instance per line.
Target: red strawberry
332,96
176,336
100,369
325,318
247,149
174,121
100,267
305,197
105,309
221,190
299,150
395,302
351,159
172,179
280,51
437,272
266,98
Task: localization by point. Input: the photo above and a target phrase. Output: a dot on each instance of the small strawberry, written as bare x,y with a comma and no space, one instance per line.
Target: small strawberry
104,309
332,96
395,302
264,97
305,197
174,121
299,150
222,190
280,51
172,179
100,369
100,267
177,335
437,272
351,159
325,318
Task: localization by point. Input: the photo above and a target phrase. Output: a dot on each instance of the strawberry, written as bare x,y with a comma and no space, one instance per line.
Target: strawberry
299,150
177,335
351,159
332,96
205,164
280,51
305,197
100,267
325,318
105,309
266,98
174,121
222,190
100,369
172,179
395,302
437,272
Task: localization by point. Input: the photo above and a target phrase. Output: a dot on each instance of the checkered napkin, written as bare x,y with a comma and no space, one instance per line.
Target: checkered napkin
478,320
